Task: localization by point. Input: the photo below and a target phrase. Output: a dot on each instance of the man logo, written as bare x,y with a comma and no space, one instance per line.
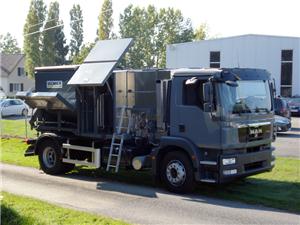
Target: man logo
255,131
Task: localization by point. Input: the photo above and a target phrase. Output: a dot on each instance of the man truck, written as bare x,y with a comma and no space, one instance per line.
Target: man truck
184,125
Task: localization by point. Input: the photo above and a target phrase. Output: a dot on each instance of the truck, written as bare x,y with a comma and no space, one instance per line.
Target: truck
185,126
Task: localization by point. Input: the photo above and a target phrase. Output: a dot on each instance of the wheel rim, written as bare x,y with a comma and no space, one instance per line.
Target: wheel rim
176,173
49,157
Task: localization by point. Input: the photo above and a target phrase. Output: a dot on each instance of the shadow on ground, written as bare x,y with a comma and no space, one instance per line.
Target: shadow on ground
276,194
295,129
258,191
9,216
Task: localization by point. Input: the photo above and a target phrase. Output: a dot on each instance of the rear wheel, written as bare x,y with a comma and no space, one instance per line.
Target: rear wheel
50,158
177,172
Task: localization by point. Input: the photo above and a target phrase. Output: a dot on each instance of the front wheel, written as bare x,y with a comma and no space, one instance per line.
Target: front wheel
50,158
177,172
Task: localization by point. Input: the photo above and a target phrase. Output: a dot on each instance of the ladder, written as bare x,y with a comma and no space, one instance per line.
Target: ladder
117,141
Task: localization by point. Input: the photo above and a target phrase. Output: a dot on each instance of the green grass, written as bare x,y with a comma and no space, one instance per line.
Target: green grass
19,210
12,152
278,189
16,128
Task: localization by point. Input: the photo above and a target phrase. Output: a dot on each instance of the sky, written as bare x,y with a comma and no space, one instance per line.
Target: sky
223,17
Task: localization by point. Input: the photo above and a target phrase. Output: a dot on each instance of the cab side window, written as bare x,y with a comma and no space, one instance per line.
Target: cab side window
193,93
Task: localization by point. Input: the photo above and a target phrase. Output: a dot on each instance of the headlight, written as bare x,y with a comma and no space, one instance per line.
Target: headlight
228,161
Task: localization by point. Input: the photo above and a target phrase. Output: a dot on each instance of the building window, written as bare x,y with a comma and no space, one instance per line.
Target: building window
286,73
215,60
21,71
14,87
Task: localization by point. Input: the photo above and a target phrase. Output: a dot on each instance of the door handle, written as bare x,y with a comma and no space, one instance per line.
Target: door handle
181,128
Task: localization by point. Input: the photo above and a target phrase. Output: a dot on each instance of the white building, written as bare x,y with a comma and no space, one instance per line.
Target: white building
279,55
13,77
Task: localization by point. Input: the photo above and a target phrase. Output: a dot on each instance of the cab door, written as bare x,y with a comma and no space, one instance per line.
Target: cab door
187,116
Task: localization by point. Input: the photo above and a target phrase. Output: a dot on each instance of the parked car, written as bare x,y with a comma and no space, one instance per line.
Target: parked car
2,94
282,124
282,107
10,107
294,104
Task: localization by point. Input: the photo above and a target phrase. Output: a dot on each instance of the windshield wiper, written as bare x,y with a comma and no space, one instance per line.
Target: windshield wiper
257,109
240,107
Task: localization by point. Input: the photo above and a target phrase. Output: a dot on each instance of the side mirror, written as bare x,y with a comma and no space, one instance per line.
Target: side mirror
207,97
207,89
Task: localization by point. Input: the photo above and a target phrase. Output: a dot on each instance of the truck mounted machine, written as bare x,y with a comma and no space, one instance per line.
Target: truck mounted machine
186,125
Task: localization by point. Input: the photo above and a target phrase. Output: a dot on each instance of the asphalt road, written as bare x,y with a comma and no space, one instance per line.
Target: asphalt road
135,204
287,144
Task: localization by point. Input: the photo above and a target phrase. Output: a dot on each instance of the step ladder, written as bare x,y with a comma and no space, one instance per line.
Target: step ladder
117,140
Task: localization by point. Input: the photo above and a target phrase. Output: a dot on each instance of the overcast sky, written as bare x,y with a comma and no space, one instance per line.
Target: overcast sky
224,17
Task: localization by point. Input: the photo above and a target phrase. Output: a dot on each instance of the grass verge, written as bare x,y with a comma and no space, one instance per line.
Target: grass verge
16,210
12,152
16,128
278,189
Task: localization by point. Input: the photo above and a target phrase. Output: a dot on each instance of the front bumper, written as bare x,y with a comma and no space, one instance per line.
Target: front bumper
245,164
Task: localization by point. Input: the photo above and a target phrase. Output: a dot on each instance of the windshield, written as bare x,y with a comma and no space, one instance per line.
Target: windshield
249,96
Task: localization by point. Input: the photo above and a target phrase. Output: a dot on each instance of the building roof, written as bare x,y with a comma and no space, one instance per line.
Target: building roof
239,36
9,62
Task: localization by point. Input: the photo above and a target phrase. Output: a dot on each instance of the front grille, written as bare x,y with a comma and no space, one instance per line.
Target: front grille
254,133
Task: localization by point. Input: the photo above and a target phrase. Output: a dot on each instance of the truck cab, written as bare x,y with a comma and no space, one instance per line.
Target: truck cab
223,119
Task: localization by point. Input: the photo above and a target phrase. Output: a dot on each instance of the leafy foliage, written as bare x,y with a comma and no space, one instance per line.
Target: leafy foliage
54,42
32,35
85,50
76,25
105,21
8,44
152,30
201,33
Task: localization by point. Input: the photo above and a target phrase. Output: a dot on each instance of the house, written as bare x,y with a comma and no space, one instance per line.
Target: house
278,54
13,77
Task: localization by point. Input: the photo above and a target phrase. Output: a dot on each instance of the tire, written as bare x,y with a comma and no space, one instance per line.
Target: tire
50,158
24,112
177,173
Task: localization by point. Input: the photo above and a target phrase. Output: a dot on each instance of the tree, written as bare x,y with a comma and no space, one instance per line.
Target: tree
61,49
76,30
32,34
152,30
172,28
106,21
53,41
201,32
131,25
84,51
8,44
